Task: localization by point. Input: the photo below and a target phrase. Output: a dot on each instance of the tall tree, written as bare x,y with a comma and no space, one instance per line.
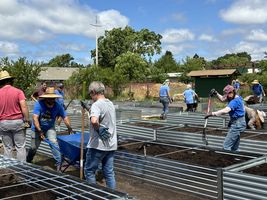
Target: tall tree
26,73
118,41
64,60
232,60
167,63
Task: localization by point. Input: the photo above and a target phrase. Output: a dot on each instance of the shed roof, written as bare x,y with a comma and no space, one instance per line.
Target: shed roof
220,72
57,73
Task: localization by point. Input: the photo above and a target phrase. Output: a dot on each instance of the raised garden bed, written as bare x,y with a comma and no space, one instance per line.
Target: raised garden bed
203,157
8,178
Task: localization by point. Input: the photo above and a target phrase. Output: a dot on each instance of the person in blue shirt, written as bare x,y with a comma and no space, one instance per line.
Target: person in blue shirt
189,96
258,91
165,98
45,112
236,85
60,91
236,110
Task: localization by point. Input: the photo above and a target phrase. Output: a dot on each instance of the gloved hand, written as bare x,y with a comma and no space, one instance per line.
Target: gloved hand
27,124
85,106
70,130
207,116
213,92
41,134
103,133
65,107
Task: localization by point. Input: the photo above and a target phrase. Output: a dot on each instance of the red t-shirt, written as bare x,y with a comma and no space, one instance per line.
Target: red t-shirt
9,103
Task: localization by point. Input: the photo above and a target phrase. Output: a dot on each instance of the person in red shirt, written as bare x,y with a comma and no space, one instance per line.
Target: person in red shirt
14,117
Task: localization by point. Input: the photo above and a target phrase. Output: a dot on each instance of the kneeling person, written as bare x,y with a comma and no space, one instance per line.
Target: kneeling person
45,112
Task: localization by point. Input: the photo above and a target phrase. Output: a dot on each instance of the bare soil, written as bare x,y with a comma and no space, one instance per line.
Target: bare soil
203,157
262,136
7,178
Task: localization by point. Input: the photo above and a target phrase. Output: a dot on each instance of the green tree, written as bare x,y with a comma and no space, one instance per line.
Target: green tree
118,41
167,63
191,64
232,60
26,73
64,60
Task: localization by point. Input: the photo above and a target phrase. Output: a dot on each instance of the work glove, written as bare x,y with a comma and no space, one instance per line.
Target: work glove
70,130
207,116
85,106
104,134
213,92
65,107
41,134
27,124
171,100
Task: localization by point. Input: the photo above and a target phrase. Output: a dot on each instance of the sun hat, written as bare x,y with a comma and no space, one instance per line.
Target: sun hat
228,89
60,85
50,93
166,81
261,115
4,75
255,82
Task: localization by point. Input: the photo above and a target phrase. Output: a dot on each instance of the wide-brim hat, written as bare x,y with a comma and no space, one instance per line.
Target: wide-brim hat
261,115
50,93
255,82
4,75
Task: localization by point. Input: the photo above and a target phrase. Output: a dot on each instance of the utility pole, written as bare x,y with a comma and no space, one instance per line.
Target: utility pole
96,25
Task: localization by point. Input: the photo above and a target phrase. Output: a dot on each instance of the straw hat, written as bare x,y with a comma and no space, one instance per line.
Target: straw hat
255,82
50,93
261,115
4,75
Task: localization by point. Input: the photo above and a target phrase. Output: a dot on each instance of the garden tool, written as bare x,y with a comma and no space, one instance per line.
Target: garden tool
204,135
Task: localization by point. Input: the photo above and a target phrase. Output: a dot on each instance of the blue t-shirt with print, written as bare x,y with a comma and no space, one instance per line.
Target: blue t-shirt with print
47,116
257,89
237,108
163,91
189,96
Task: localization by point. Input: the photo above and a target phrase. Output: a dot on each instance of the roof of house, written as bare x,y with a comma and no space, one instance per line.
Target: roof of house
56,73
219,72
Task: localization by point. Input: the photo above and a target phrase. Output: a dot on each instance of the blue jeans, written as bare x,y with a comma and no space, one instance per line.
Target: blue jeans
93,158
165,102
232,138
13,135
51,135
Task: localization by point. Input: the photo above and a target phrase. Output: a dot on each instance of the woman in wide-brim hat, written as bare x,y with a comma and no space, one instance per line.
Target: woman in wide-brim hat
258,91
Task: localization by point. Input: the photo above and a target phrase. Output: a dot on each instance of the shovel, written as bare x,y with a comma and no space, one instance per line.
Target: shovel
204,135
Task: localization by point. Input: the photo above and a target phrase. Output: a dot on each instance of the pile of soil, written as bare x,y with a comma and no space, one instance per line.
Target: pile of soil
8,178
260,170
145,125
201,157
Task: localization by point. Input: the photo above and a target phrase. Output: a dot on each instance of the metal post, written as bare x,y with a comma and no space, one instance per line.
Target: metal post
220,183
96,41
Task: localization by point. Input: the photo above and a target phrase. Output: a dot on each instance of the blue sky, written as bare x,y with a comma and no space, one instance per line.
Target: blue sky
41,29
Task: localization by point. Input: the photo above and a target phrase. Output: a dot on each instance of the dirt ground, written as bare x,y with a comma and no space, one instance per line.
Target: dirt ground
199,130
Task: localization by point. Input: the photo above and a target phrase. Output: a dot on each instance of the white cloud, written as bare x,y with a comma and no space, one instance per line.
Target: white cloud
179,17
8,48
254,49
208,38
177,35
235,31
246,12
37,20
72,46
257,35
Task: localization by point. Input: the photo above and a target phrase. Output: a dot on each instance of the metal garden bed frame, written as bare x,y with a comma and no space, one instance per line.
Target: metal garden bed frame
238,185
62,185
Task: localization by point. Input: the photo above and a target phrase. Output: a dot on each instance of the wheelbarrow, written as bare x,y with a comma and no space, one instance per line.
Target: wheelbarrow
70,148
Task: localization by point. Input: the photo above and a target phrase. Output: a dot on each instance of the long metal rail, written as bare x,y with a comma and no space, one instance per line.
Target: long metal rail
238,184
61,185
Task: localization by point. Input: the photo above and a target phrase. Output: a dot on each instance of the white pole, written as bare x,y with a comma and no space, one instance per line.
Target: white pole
96,41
